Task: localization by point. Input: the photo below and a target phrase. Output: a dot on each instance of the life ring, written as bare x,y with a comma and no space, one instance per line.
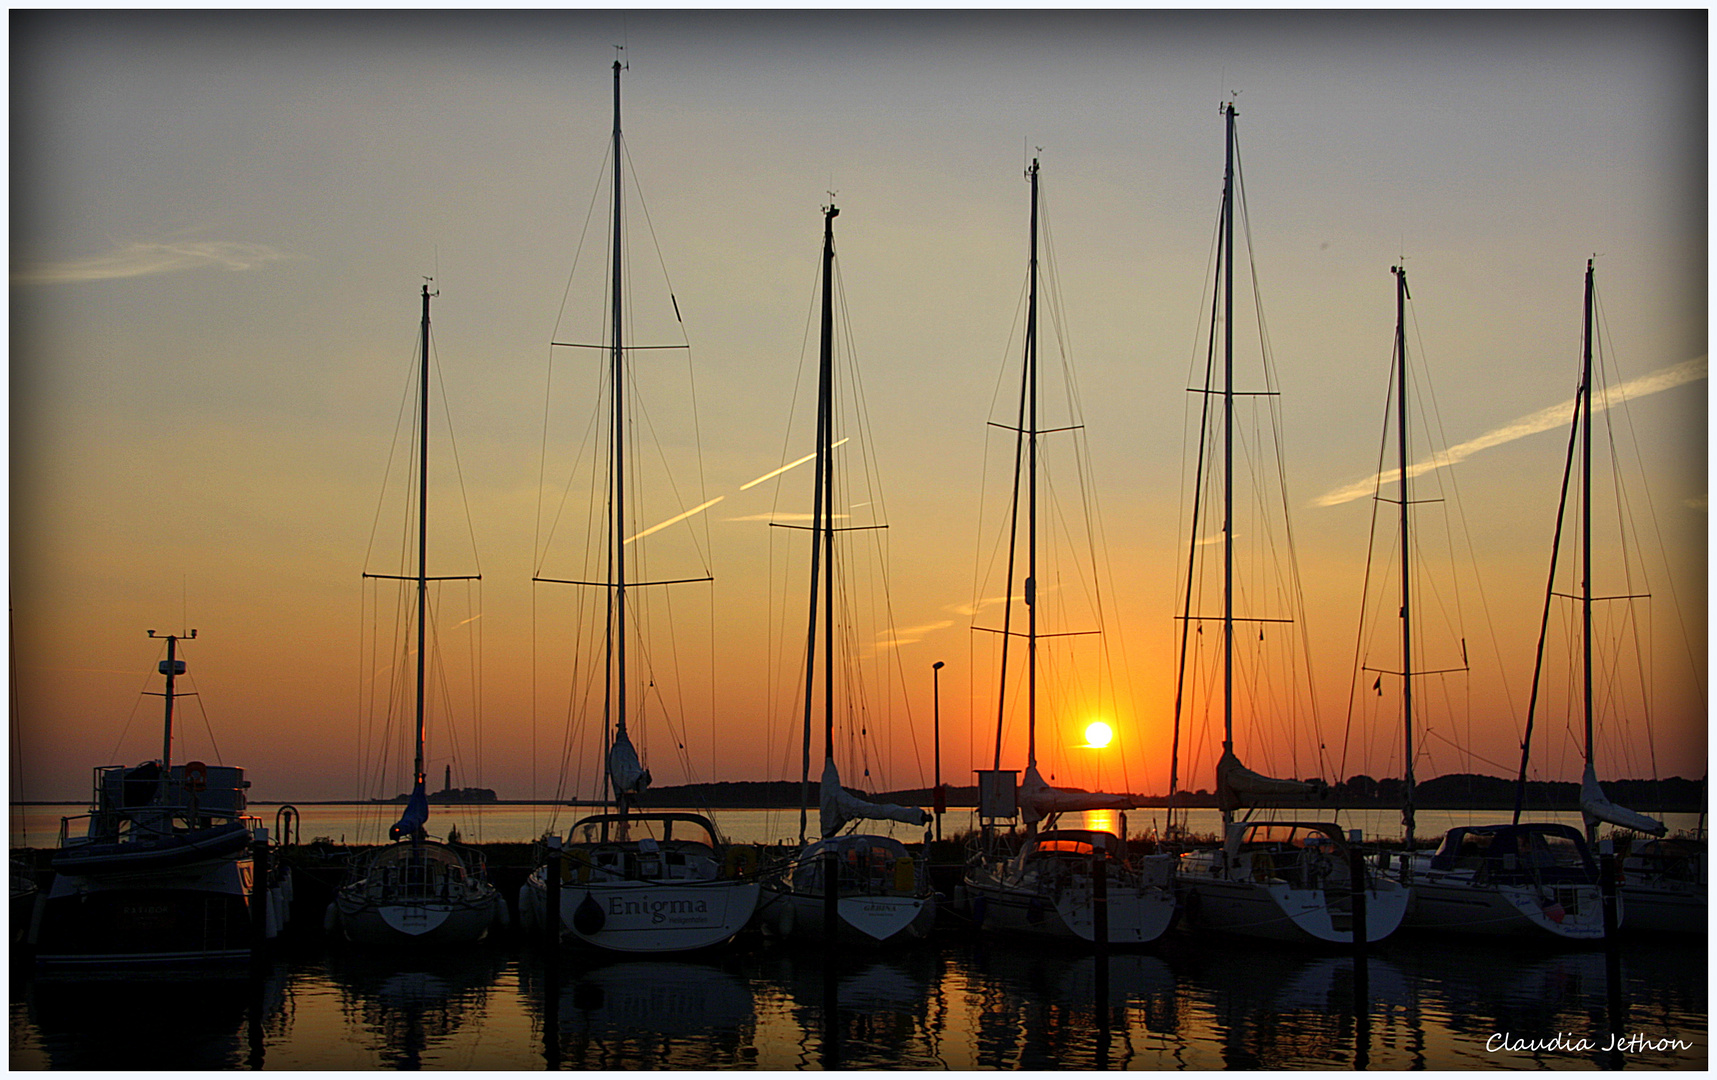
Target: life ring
196,776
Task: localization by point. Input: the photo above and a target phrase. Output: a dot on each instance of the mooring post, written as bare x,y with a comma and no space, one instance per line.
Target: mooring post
1361,959
258,895
1612,946
551,915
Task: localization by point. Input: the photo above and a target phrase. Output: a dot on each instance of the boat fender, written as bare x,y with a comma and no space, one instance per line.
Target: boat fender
905,878
1034,913
1193,907
588,919
331,919
980,908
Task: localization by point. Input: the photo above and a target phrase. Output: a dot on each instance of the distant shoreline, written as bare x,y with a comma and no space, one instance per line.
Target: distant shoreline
1455,791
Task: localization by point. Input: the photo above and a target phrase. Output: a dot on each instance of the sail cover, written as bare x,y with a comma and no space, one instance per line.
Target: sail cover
837,806
1596,807
1235,781
1038,800
624,769
416,813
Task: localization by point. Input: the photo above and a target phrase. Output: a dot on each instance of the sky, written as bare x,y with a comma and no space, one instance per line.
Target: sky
221,224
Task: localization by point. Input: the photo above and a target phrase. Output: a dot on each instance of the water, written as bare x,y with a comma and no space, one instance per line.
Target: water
956,1003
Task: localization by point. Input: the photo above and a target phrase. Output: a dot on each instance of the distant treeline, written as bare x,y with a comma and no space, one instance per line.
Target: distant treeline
1456,791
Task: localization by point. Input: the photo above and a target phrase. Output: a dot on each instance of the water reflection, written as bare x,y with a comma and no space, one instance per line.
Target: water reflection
93,1022
958,1003
408,1006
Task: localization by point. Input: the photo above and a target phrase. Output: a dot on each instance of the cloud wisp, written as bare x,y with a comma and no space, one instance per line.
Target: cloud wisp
1543,420
144,260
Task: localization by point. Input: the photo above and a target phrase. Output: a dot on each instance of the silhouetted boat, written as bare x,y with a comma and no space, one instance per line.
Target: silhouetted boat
418,891
628,882
1286,880
161,869
881,892
1073,884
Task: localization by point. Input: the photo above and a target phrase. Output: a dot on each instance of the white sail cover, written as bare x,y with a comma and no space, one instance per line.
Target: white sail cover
624,769
837,806
1596,807
1235,781
1038,799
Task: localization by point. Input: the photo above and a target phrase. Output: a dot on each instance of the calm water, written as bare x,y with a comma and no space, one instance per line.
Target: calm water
957,1003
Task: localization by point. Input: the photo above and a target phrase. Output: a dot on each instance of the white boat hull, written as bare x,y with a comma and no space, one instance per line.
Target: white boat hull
1455,903
1136,916
872,919
643,916
1285,882
1280,912
425,921
1665,907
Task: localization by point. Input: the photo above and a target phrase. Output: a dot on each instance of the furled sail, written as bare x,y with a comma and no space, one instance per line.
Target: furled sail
1235,781
837,806
1038,799
416,813
1596,807
624,769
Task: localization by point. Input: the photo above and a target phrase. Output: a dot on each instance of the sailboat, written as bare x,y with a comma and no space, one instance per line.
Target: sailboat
163,868
1663,882
1076,884
416,890
1531,880
1285,880
881,893
631,880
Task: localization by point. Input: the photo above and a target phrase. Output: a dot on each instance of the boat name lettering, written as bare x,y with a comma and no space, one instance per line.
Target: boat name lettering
658,910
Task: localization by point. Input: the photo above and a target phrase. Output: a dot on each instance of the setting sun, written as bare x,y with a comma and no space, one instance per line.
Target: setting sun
1098,734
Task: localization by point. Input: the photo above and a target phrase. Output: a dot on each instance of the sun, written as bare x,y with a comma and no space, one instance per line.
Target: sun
1099,734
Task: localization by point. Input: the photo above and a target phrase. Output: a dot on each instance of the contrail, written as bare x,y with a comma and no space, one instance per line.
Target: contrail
141,260
784,468
676,520
1543,420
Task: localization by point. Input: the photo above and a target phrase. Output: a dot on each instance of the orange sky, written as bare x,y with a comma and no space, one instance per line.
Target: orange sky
221,224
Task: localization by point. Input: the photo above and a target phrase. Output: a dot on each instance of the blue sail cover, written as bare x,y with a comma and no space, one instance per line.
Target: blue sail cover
416,813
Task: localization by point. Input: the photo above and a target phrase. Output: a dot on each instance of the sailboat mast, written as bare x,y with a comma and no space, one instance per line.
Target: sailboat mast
1401,297
1031,501
617,466
826,476
1586,521
1228,446
422,530
822,533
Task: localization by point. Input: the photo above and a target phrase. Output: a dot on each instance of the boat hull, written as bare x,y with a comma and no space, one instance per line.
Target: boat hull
411,922
1665,907
1136,916
189,914
863,919
642,916
1277,911
1455,903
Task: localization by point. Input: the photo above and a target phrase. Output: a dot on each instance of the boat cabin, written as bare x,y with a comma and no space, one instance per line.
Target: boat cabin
1547,852
869,865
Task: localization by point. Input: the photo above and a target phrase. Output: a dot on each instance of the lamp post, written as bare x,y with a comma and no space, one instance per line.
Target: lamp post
939,802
